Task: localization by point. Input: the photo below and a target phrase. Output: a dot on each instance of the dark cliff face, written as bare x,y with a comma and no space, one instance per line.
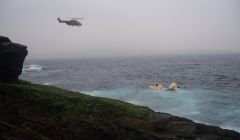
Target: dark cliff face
12,56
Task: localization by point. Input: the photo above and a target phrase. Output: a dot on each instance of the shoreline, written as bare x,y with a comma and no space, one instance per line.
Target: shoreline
105,93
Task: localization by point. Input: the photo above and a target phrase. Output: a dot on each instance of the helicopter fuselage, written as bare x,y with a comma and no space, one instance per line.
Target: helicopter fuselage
72,22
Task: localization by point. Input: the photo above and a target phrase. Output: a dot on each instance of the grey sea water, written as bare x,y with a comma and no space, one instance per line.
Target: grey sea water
209,90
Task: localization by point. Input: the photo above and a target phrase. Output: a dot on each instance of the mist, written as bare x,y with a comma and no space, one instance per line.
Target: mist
122,28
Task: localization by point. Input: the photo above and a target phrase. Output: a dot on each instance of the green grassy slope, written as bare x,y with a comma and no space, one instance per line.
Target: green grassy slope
30,111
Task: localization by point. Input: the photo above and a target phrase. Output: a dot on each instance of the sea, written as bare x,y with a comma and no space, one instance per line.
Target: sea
209,84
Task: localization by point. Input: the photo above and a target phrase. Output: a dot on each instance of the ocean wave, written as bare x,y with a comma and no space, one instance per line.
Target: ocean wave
32,68
48,83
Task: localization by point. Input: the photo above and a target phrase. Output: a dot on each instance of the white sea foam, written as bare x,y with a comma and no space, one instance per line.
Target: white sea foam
32,68
48,83
134,102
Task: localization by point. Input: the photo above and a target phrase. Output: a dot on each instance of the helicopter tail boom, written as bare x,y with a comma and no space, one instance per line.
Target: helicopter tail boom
59,20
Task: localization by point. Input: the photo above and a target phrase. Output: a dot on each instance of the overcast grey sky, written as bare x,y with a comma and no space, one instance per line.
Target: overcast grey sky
122,27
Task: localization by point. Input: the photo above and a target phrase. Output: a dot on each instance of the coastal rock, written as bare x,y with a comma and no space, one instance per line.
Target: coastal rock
182,128
12,56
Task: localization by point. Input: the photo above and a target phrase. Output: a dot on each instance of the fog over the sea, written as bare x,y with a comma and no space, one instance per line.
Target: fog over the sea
122,27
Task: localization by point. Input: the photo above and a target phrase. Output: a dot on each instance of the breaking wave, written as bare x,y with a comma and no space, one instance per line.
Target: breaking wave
48,83
32,68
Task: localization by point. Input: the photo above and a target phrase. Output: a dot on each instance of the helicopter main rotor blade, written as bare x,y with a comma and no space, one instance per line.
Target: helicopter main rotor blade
77,18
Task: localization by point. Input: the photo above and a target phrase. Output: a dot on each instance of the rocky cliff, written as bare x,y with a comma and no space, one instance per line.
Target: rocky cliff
12,56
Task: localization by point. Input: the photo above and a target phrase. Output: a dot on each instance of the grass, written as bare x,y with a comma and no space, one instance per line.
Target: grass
32,108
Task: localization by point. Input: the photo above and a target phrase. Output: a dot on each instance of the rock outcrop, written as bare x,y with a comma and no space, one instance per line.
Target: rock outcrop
12,56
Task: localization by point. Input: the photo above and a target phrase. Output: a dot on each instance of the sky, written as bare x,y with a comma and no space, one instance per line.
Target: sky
122,27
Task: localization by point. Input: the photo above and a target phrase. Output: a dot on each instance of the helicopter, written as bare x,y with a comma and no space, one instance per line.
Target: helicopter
71,22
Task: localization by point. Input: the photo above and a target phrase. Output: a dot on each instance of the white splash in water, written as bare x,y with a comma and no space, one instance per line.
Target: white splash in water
48,83
32,68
